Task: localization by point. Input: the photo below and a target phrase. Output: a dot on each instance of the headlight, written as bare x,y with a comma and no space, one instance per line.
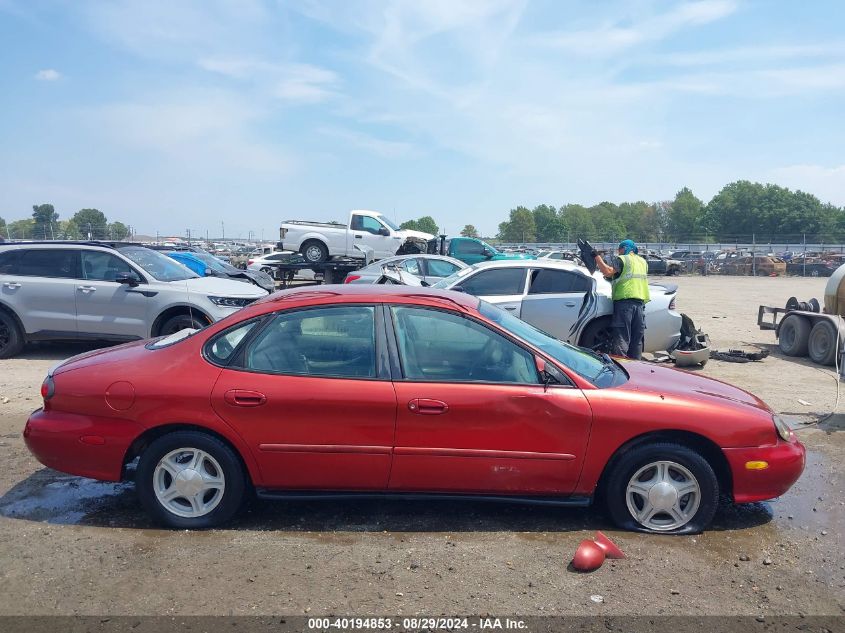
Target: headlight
782,428
231,302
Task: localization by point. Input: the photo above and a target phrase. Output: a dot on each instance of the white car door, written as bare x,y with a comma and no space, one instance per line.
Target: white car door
504,287
104,306
555,302
367,230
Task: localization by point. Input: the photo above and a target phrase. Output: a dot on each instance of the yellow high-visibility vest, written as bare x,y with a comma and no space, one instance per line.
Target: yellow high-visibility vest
633,282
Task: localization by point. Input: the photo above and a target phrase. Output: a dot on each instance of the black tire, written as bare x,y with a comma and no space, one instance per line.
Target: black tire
181,322
821,345
12,338
597,336
314,251
794,335
626,466
234,493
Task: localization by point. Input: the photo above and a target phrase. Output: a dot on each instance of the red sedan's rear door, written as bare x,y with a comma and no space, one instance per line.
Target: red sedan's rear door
313,401
472,416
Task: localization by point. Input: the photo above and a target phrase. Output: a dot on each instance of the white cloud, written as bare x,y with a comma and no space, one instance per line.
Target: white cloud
290,82
826,183
199,129
750,54
612,38
48,74
378,146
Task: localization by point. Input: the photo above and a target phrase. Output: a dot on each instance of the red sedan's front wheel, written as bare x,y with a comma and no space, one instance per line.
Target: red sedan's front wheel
665,488
189,479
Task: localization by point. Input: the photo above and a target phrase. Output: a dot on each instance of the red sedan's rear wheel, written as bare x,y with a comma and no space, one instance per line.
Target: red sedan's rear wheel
664,488
189,479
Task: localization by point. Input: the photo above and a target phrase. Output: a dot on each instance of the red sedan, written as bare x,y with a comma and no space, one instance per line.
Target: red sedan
391,390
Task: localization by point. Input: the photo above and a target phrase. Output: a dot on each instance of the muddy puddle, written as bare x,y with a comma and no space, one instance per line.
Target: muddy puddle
814,504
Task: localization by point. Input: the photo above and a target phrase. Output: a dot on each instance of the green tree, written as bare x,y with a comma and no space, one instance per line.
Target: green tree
410,225
549,225
3,228
91,223
22,229
426,224
520,226
686,215
469,231
578,222
118,231
44,216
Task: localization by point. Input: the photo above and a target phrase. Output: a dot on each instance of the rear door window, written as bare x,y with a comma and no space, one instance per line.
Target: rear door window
496,282
546,281
334,342
440,268
49,262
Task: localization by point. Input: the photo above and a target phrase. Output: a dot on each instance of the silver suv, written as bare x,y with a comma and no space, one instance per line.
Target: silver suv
110,292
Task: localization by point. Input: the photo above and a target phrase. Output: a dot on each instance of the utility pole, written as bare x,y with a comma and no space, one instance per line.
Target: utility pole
223,230
754,254
804,265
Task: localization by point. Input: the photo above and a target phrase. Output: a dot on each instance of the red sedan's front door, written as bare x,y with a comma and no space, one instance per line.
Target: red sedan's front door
472,416
309,404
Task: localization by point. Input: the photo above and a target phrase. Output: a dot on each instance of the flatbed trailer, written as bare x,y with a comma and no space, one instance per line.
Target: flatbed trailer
333,271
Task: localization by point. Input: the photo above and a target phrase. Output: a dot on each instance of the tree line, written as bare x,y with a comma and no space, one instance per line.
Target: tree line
46,225
741,210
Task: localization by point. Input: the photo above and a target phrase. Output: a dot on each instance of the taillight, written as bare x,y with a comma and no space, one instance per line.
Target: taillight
249,262
48,388
350,278
672,304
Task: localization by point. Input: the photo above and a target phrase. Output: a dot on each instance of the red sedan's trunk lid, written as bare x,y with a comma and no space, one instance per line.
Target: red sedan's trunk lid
118,352
684,384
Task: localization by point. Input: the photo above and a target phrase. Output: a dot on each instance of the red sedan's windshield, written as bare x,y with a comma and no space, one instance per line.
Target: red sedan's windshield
584,363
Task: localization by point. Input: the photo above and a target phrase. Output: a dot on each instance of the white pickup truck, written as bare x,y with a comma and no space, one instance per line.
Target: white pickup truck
318,241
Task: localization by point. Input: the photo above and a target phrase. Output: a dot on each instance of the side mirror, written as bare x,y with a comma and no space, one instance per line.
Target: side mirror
384,231
457,289
207,272
540,363
487,252
130,279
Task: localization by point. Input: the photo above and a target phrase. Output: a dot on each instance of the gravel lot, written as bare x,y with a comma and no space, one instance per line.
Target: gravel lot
72,546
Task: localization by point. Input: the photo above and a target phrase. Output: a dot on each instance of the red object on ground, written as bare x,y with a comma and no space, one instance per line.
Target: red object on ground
588,557
611,550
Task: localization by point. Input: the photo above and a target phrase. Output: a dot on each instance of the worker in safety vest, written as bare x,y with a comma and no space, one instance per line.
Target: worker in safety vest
628,275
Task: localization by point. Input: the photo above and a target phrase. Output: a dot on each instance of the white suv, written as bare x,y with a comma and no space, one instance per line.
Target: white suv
110,292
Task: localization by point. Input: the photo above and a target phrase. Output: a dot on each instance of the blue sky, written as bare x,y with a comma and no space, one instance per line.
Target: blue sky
174,115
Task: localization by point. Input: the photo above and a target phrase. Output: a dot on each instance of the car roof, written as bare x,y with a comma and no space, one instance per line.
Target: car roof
401,258
561,264
364,293
69,243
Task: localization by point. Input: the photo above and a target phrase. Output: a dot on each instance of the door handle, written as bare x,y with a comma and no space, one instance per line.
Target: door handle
244,398
569,305
86,289
427,406
12,284
511,308
358,237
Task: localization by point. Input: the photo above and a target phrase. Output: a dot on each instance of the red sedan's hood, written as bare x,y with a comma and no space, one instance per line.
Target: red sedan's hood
118,352
683,384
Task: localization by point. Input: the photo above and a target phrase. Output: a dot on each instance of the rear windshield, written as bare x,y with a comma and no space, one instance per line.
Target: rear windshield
157,265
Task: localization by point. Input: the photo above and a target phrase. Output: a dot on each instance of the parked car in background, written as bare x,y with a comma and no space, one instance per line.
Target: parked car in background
567,255
428,268
810,268
318,241
472,250
269,264
392,390
97,291
565,300
658,265
207,265
748,265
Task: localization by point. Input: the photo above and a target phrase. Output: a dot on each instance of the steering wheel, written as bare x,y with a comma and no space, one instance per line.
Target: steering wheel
485,358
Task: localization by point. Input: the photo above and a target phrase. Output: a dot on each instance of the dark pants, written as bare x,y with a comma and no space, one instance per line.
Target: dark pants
628,328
